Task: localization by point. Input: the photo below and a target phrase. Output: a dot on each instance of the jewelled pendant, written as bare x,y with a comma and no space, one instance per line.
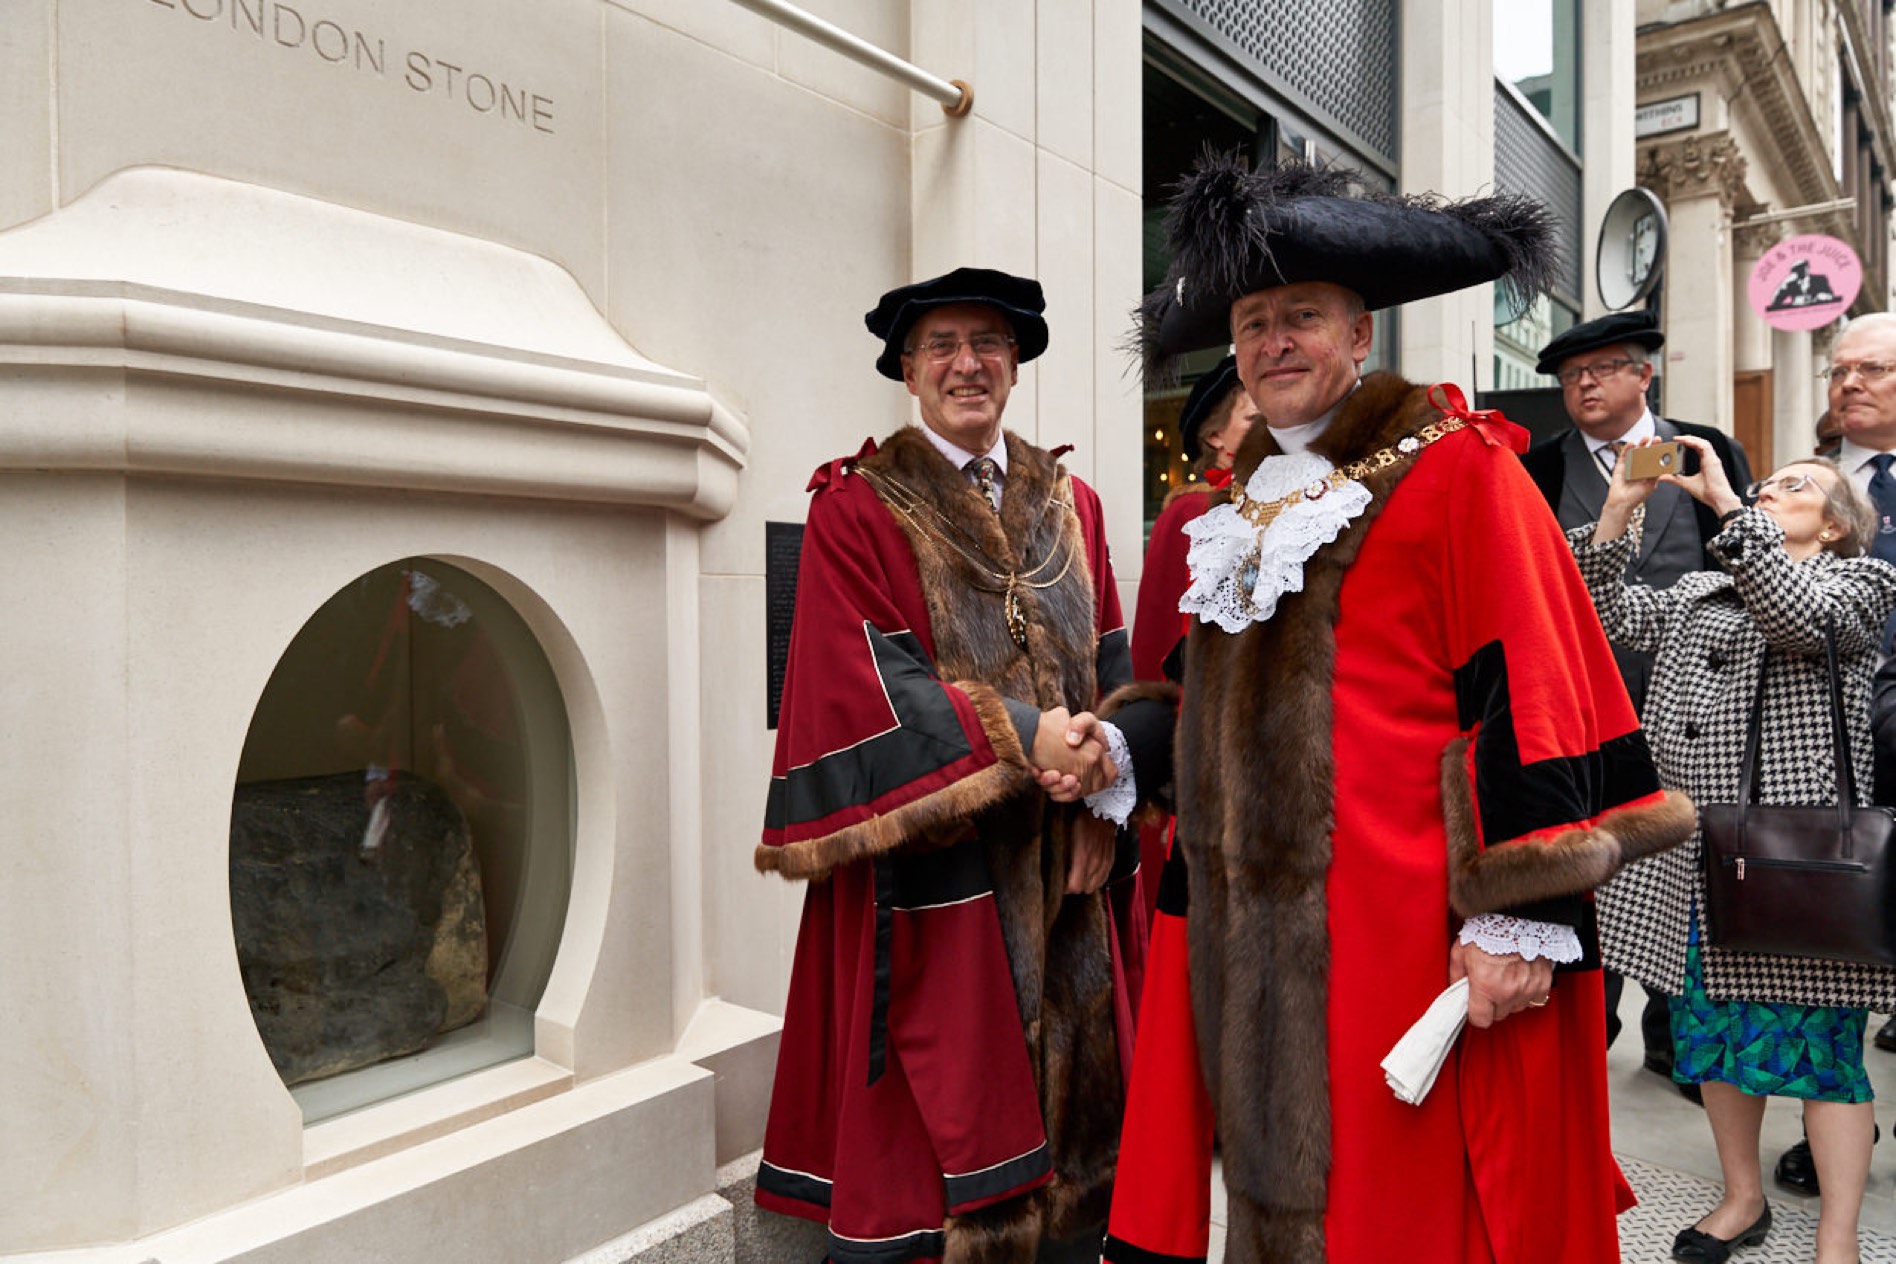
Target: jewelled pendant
1016,617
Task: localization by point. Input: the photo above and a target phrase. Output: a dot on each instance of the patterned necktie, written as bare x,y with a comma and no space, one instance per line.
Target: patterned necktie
1883,497
1609,456
983,469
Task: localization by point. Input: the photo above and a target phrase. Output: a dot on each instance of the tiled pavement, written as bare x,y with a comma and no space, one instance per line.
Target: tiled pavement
1665,1149
1669,1200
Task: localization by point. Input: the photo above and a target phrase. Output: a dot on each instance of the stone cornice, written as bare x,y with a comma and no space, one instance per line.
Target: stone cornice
1742,51
1699,165
345,407
378,353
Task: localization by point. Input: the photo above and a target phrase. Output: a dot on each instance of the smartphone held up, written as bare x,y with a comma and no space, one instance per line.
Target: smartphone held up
1653,459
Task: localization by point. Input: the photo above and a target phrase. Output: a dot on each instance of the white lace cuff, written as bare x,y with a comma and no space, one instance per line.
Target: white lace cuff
1501,935
1115,802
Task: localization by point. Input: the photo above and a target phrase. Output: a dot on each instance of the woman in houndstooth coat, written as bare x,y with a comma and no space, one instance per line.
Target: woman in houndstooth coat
1747,1026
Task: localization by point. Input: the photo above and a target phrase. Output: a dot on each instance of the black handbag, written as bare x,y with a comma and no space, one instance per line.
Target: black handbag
1804,880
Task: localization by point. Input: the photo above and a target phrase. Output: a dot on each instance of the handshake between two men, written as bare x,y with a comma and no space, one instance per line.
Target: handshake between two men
1070,759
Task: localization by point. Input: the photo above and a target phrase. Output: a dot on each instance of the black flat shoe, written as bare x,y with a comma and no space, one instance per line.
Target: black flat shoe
1699,1247
1797,1171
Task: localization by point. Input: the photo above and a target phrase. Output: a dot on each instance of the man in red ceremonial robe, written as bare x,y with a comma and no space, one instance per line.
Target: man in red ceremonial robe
1404,758
1212,423
958,1029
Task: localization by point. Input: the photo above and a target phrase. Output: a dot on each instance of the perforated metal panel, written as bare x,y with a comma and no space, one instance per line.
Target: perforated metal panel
1528,160
1340,55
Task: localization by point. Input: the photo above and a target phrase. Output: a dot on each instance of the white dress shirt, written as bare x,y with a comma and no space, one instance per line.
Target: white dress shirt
959,457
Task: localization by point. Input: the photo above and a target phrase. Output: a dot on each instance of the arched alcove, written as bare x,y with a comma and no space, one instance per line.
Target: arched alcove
401,838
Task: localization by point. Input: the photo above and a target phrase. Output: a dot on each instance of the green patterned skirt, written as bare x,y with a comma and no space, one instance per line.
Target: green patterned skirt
1812,1052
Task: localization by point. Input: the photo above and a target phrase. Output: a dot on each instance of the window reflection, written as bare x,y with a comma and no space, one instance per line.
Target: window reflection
1537,50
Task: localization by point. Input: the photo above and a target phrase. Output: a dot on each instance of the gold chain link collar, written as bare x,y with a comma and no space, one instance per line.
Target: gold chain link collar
1262,512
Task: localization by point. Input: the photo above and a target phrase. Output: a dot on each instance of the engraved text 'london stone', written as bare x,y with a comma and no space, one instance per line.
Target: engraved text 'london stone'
284,26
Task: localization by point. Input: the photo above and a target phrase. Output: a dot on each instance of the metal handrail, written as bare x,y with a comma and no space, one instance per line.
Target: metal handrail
956,97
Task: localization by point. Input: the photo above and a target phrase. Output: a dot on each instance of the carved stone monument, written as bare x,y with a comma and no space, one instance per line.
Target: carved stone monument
356,901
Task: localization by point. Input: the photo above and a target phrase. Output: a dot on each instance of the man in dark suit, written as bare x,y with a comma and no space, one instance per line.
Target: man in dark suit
1605,368
1862,395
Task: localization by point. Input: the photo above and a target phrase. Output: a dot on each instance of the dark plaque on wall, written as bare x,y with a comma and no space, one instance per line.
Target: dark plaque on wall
783,545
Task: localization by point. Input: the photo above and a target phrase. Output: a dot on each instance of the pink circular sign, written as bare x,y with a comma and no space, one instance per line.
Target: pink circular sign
1806,282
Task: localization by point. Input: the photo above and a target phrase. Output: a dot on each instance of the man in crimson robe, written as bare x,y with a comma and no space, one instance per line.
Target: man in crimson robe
958,1028
1404,758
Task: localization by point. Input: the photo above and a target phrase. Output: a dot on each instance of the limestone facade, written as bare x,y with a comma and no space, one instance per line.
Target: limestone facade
567,296
1788,133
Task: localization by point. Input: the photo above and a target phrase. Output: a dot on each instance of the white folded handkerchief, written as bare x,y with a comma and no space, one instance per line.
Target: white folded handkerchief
1413,1064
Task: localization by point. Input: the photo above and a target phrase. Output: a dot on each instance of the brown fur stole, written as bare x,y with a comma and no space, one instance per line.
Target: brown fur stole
1058,948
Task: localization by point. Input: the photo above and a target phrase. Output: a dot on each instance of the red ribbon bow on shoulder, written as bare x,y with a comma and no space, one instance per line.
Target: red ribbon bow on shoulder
1495,430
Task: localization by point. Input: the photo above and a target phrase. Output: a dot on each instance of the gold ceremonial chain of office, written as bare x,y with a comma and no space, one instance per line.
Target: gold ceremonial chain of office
936,525
1263,512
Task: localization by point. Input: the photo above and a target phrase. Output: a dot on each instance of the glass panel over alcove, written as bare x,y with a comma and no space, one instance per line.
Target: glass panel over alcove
401,839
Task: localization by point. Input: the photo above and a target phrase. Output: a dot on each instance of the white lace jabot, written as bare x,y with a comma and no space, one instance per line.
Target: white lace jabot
1240,570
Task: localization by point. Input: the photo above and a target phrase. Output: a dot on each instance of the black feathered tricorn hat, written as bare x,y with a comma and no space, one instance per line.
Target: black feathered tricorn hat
1019,299
1232,231
1209,394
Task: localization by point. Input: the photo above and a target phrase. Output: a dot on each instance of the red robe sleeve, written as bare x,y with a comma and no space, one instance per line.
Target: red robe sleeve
1113,667
1157,623
1554,755
873,748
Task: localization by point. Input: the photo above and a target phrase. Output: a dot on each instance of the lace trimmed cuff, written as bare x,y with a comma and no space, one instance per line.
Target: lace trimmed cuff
1501,935
1115,802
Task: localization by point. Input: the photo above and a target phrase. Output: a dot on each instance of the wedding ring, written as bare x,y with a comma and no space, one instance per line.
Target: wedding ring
1537,1004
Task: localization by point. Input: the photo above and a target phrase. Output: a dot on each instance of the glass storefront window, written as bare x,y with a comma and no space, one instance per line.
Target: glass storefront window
1537,50
401,839
1517,341
1181,122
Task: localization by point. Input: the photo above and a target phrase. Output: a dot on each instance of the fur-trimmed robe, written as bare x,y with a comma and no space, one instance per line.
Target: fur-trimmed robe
1432,728
955,1040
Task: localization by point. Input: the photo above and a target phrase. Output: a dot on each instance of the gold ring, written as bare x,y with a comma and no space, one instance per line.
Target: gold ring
1537,1004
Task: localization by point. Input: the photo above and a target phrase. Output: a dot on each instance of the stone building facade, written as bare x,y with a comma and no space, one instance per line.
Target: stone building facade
1768,120
404,391
424,390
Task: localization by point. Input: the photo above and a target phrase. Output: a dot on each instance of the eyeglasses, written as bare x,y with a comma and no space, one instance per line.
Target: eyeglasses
1868,370
1783,482
1598,372
942,348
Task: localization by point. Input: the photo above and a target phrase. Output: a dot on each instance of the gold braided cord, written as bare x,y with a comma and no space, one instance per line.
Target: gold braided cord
936,525
1263,512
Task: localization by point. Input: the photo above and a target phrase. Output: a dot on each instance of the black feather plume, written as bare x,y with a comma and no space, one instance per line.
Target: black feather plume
1523,230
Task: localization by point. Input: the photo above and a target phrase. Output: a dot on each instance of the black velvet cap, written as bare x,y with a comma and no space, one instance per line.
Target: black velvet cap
1019,299
1233,232
1208,395
1639,327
